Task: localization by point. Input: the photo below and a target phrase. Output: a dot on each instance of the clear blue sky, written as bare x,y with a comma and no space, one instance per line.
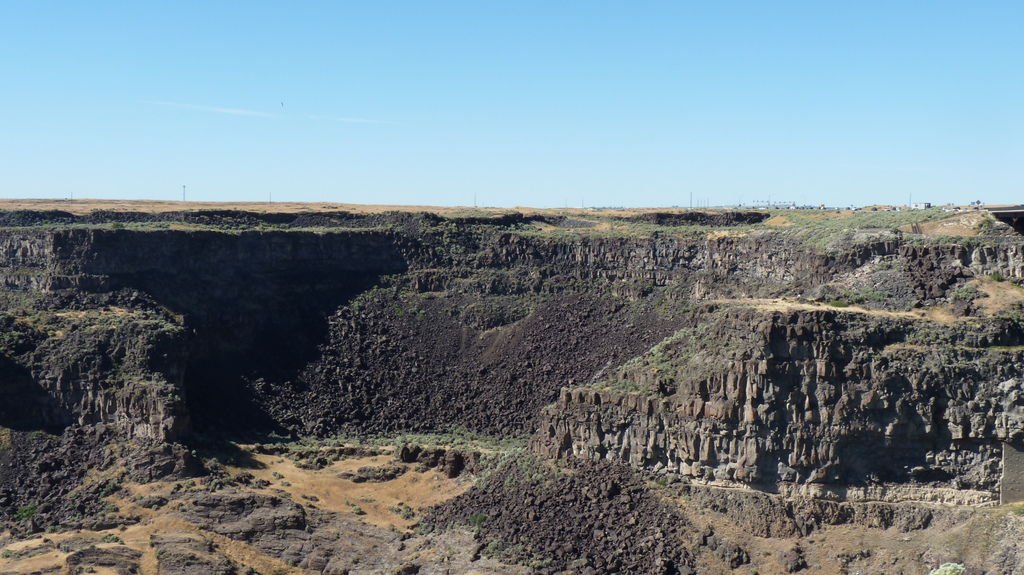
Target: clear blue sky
523,103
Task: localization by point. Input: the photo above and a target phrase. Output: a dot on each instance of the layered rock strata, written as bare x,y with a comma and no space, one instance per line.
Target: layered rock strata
845,405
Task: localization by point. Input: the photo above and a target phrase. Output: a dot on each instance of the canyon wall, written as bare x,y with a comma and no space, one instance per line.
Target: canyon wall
801,400
712,355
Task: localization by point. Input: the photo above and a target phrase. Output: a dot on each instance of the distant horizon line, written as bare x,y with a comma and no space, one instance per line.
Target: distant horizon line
976,204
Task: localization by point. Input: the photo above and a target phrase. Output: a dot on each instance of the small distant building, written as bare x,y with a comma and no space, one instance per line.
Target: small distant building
920,205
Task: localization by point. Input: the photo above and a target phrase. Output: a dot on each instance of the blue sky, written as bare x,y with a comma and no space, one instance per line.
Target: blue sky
520,103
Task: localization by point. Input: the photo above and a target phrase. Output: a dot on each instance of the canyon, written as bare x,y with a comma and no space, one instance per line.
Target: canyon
339,389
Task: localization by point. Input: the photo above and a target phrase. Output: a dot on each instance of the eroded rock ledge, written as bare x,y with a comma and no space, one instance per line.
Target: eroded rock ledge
823,403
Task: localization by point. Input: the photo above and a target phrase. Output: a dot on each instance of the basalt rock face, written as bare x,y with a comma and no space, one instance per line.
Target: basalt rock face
156,330
43,477
254,304
115,326
732,218
317,323
698,388
820,402
101,365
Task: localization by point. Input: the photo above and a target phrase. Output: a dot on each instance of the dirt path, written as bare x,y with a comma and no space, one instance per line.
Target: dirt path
937,314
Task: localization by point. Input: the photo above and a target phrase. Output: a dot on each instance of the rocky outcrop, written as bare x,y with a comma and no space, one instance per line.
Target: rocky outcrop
116,325
182,555
310,540
316,323
773,516
117,560
44,478
716,218
782,399
599,519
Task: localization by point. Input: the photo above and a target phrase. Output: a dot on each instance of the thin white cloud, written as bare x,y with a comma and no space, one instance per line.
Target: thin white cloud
215,109
347,120
259,114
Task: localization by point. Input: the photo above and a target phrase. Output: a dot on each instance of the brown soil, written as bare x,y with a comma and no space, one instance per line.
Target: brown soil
960,225
999,296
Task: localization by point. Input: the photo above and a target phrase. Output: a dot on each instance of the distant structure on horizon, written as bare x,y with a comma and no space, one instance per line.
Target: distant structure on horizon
1012,215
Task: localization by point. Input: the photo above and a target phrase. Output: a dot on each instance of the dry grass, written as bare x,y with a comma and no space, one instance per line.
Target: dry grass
727,233
100,312
376,500
891,550
778,221
938,314
85,206
958,225
137,537
999,296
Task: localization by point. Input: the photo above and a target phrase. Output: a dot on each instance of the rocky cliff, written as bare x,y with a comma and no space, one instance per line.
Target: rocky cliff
806,400
313,325
737,380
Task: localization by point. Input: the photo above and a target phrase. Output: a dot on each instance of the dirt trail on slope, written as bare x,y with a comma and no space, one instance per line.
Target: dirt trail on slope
936,313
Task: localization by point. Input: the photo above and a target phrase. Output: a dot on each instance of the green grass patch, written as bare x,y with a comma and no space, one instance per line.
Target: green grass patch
25,513
826,231
458,437
477,520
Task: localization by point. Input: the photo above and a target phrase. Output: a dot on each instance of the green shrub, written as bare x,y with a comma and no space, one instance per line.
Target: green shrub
492,549
109,488
866,295
477,520
25,513
966,293
997,277
403,511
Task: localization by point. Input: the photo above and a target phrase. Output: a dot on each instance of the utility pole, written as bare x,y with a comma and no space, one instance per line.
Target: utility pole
691,200
183,192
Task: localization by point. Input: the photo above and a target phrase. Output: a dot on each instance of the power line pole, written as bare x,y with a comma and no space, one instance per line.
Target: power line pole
183,192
